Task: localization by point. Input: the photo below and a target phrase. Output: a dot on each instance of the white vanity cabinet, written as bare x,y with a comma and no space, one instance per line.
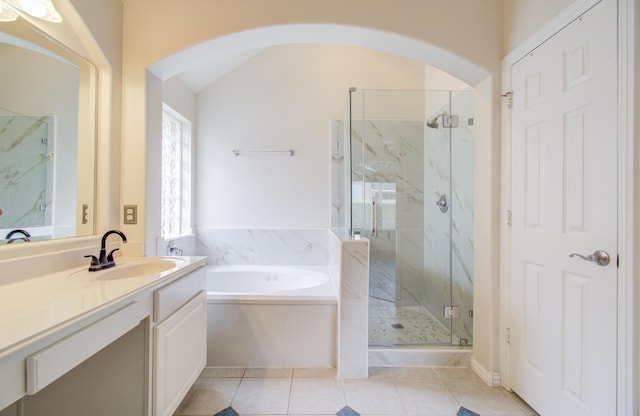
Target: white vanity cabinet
129,341
179,340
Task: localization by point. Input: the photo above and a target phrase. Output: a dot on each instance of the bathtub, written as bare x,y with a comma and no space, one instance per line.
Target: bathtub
271,316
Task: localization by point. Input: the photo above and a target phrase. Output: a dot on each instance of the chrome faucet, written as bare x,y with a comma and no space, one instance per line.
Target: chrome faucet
104,260
10,235
173,249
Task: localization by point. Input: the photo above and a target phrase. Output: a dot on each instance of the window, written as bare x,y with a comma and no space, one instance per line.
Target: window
176,174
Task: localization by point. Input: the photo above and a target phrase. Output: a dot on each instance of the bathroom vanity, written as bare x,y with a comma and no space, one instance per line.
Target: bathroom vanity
127,340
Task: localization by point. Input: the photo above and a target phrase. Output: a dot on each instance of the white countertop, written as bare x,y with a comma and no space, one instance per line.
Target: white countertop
33,306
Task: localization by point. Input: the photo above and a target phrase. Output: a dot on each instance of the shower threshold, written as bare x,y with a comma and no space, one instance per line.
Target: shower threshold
420,356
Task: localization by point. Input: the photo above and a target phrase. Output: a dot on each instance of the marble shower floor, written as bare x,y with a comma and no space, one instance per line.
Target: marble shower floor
419,326
425,391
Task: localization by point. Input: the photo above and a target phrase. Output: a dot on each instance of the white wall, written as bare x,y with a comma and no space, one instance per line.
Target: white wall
181,99
522,18
282,98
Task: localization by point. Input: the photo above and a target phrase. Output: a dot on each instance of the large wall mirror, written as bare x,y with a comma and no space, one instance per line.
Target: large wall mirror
47,136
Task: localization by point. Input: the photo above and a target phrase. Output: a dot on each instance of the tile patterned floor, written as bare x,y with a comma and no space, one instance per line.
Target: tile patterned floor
419,326
439,391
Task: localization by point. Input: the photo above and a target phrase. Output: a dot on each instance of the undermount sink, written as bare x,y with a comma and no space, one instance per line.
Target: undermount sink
138,269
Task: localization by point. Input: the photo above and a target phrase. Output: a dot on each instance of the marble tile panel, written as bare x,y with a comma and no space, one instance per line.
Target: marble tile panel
226,246
291,247
382,267
409,266
354,283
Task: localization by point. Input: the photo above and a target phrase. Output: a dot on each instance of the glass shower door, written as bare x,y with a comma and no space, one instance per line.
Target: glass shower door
400,169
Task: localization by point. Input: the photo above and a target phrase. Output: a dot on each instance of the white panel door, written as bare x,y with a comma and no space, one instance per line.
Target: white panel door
564,201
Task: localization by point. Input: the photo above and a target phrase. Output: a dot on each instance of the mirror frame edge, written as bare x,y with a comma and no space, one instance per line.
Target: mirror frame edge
105,217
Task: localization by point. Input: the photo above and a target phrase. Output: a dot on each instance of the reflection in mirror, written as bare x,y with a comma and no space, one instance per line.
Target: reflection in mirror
47,136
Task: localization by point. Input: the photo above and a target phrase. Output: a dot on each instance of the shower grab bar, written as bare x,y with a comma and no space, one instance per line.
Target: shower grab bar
237,152
375,220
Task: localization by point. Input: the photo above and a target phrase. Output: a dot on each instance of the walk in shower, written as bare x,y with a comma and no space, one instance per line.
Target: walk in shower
403,178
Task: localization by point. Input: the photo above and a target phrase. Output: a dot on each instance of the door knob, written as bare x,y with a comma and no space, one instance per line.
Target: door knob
599,257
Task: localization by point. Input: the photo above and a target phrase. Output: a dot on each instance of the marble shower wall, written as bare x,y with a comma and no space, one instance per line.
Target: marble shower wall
392,154
339,208
24,172
236,246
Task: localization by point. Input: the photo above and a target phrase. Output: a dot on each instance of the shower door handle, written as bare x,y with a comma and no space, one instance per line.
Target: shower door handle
600,257
375,220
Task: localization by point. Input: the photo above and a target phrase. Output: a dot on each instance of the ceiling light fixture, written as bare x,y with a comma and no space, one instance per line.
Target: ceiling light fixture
42,9
6,14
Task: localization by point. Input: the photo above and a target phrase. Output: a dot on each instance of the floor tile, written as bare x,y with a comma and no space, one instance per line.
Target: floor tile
372,396
485,400
316,396
403,372
275,372
224,372
410,391
314,372
453,373
208,396
262,396
426,397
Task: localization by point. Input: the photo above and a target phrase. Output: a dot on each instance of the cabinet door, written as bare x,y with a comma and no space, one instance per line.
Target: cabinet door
180,354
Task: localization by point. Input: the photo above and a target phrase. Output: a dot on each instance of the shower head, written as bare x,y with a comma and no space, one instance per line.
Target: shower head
433,123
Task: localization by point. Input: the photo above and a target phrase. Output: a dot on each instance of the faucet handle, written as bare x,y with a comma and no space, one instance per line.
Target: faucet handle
94,260
110,255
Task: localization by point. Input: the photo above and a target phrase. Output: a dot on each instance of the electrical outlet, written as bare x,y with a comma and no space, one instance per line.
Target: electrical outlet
130,214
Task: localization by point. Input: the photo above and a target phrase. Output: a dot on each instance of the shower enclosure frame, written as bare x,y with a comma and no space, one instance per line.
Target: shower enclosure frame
358,217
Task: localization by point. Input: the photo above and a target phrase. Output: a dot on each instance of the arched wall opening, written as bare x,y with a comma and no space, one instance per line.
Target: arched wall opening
486,153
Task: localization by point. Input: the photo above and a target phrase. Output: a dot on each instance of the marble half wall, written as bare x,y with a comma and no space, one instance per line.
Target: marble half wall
236,246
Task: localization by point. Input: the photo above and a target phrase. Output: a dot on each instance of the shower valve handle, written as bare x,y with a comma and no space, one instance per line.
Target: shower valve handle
443,203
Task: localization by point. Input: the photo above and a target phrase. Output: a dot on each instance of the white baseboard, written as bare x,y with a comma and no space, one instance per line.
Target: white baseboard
491,378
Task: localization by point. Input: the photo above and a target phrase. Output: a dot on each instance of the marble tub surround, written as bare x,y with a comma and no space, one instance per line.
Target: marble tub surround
294,247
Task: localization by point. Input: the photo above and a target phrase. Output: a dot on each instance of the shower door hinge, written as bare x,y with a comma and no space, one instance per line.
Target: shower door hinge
450,120
452,312
509,96
508,336
509,217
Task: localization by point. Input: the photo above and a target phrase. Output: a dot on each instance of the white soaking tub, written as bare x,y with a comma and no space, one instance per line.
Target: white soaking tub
271,316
